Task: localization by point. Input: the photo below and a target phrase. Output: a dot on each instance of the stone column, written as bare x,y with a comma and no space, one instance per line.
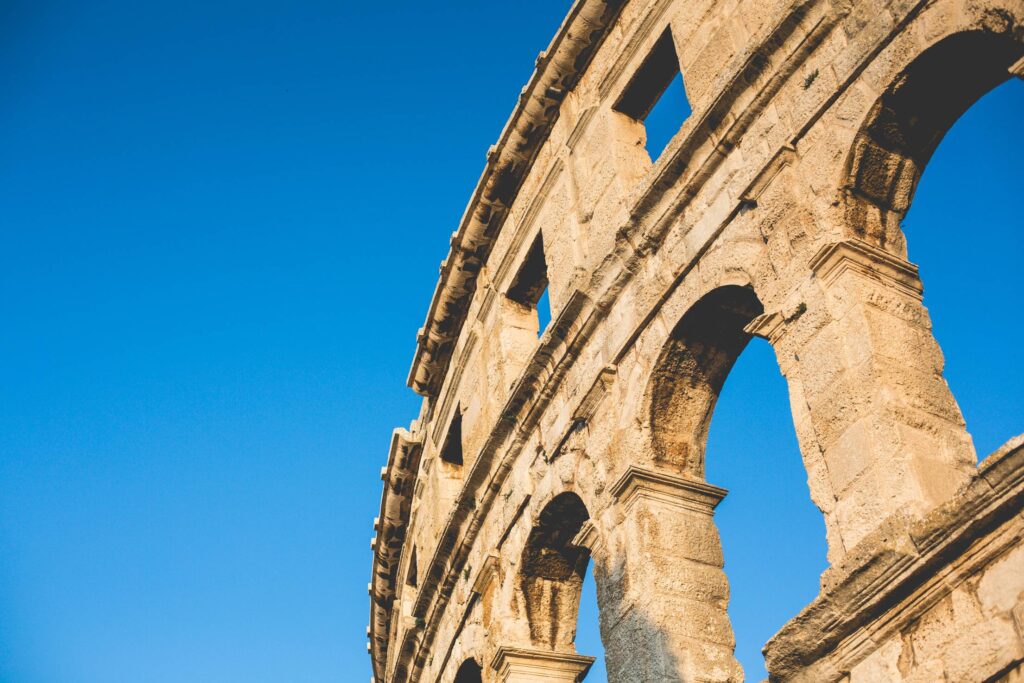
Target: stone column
520,665
881,434
661,588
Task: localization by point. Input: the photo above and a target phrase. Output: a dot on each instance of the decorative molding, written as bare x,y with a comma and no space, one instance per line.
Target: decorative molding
772,326
768,326
520,665
861,258
1017,69
581,126
392,526
638,484
508,164
587,537
486,575
588,406
762,180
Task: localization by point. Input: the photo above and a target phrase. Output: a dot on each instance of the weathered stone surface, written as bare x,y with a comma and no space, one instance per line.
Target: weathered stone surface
774,211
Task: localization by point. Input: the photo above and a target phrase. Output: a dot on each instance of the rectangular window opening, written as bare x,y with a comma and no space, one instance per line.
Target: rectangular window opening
530,286
656,96
451,451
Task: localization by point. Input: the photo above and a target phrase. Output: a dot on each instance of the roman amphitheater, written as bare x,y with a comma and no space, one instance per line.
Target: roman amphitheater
774,211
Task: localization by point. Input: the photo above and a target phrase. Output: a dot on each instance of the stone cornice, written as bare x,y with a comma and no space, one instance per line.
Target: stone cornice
861,258
540,664
638,483
508,162
399,479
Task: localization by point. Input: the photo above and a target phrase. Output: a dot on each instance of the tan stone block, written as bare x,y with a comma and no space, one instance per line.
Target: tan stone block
978,653
1001,587
881,666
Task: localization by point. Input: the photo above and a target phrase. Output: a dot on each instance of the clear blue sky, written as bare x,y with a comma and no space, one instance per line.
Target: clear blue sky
221,225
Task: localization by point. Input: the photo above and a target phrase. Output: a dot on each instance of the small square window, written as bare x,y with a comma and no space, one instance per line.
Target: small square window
656,96
530,287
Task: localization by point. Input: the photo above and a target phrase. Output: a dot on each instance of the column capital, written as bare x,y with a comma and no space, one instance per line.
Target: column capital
522,665
638,483
861,258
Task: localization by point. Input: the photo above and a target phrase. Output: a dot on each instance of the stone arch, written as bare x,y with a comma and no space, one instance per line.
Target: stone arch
690,372
469,672
551,573
910,118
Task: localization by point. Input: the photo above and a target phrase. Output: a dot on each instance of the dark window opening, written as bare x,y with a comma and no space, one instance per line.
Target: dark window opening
657,96
530,286
451,452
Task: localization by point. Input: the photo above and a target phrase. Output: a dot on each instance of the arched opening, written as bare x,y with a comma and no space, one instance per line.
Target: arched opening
946,134
469,672
909,120
691,371
721,411
973,288
552,571
773,537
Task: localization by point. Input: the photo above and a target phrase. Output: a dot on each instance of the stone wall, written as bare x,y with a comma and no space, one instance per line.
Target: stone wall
774,211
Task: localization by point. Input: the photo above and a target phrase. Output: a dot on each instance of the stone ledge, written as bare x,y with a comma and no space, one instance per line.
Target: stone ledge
899,558
637,483
857,256
515,664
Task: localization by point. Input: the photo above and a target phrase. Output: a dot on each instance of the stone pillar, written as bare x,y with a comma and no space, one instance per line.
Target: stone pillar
881,434
661,588
520,665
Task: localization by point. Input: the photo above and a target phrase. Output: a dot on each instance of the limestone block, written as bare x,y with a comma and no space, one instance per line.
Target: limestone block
1001,588
881,666
975,654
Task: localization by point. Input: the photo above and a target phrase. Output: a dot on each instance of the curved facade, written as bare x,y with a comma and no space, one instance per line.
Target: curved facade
774,211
